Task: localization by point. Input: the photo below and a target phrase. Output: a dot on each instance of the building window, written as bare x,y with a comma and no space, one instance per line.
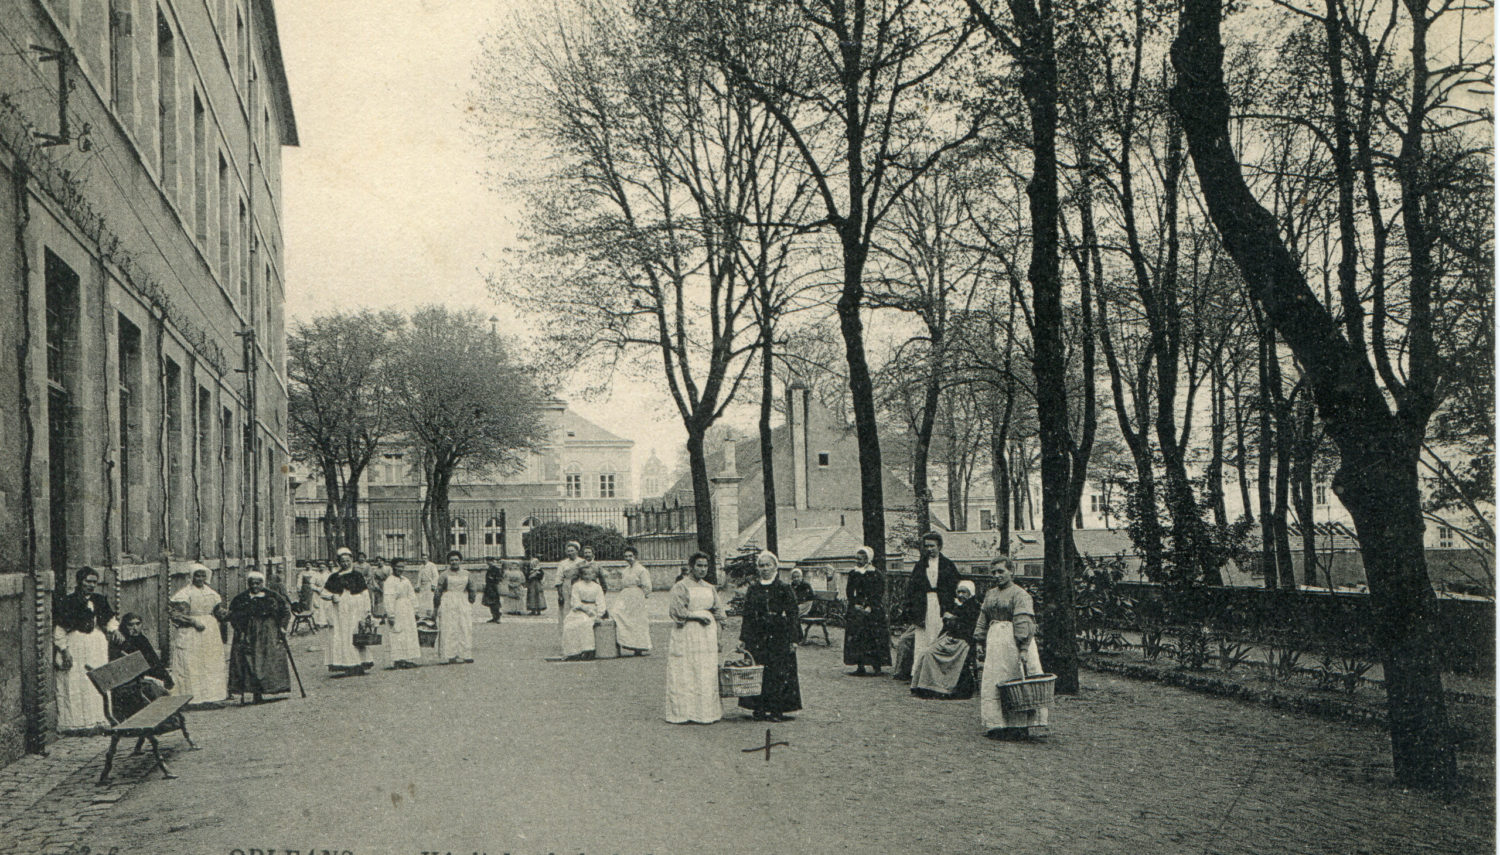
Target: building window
606,486
226,461
176,517
301,526
243,269
200,177
494,532
62,426
1445,537
986,519
1096,503
395,544
574,486
241,47
226,225
166,104
822,458
394,466
205,458
1320,494
129,342
458,533
120,57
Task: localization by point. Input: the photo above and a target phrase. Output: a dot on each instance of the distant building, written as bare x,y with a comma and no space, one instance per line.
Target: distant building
816,469
655,477
582,473
144,426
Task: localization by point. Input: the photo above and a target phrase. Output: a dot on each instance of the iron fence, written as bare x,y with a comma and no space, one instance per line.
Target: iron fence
398,533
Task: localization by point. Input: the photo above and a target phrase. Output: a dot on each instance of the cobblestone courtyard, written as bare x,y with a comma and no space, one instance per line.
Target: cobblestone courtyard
517,754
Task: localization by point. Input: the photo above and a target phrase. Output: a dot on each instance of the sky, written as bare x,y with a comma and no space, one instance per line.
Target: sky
386,203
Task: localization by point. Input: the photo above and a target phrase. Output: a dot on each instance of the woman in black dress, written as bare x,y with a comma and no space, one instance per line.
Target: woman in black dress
768,630
867,638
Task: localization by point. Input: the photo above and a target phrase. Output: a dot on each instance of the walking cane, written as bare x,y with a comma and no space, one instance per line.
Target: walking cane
292,660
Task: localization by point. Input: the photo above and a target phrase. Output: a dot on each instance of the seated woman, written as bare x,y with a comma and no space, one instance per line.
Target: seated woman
131,698
946,670
586,600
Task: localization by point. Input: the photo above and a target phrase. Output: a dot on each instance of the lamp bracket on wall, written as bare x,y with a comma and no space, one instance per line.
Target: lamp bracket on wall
64,136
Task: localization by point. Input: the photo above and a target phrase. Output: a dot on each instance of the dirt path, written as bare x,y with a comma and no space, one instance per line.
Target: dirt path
515,754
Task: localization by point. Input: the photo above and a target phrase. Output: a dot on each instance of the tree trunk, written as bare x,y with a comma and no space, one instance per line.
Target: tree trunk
703,503
333,526
1286,573
1241,460
1000,473
1377,476
1302,490
1267,465
350,514
921,455
1035,27
767,465
1215,473
862,392
435,511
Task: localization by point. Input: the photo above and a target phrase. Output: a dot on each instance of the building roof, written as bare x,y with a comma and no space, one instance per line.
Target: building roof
572,428
1026,545
275,69
1327,536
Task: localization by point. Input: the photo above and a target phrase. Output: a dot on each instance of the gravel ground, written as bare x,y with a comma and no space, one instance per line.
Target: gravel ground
515,754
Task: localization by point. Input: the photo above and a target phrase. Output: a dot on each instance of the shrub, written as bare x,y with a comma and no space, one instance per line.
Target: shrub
548,541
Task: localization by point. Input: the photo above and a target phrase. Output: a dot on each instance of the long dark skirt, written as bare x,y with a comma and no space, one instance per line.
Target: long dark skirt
867,638
779,690
535,601
257,660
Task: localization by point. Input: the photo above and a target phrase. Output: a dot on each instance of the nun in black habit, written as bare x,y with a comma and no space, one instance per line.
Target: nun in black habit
768,629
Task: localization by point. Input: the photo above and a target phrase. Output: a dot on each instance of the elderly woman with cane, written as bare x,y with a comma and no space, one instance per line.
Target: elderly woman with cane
1007,629
258,655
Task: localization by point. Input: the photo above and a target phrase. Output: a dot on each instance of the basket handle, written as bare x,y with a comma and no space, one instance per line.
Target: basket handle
741,650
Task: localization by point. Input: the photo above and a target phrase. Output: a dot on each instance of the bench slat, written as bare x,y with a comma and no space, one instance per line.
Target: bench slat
113,675
153,714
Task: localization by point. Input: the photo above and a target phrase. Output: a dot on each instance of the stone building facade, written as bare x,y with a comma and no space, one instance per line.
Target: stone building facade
144,417
582,473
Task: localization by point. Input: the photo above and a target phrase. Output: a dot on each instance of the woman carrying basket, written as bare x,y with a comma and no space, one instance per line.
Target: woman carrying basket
769,630
1007,629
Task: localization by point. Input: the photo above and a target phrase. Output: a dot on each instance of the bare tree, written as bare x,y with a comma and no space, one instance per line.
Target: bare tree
638,231
875,71
1376,414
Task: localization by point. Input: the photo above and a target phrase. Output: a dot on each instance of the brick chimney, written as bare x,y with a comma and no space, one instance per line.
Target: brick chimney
797,398
726,501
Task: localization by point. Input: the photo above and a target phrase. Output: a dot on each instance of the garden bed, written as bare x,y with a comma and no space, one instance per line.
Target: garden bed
1472,714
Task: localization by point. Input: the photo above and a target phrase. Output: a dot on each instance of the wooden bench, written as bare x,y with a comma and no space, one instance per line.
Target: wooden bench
162,715
823,609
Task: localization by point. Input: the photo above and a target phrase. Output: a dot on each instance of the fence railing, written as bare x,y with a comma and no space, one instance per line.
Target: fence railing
398,533
660,518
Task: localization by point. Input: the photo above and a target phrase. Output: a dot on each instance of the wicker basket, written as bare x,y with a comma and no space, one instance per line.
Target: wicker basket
368,634
427,634
1027,693
740,681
